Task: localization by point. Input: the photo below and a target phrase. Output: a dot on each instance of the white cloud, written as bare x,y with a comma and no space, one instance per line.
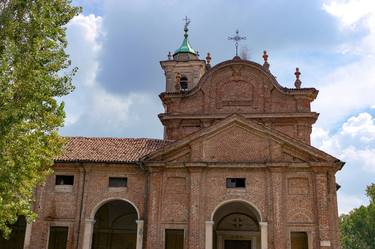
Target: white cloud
90,109
350,12
354,143
350,88
84,44
347,202
363,157
90,29
361,126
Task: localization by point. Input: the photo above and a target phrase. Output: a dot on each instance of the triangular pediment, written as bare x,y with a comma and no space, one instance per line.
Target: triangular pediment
236,139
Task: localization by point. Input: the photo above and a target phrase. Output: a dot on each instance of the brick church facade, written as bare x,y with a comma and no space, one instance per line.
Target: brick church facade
235,170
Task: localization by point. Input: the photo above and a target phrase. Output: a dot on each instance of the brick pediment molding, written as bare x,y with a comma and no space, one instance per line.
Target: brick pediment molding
236,139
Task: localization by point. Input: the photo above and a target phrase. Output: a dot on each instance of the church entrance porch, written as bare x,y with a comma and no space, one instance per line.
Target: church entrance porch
236,224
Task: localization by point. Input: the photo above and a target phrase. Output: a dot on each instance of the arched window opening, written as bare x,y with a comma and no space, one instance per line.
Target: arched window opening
183,84
115,226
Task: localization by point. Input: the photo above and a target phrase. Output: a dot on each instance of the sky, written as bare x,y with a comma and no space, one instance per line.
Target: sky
117,46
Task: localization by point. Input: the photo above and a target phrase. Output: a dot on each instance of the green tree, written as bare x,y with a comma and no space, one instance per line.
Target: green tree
34,71
358,227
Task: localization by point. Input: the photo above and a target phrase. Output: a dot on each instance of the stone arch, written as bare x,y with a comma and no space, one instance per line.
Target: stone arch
236,223
116,224
103,202
251,205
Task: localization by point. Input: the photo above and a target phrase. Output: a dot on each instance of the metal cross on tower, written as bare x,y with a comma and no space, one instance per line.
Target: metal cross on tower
237,38
187,22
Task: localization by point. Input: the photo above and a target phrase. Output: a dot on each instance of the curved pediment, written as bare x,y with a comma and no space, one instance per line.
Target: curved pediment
238,86
239,70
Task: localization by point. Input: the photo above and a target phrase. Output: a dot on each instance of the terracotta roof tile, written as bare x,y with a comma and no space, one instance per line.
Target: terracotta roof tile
103,149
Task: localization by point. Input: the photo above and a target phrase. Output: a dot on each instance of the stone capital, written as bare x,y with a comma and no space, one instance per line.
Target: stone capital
90,221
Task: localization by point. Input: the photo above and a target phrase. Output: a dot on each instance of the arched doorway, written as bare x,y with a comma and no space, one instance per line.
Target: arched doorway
115,226
17,236
236,226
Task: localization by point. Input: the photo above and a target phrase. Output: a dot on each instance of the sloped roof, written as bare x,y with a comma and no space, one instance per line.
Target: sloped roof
112,150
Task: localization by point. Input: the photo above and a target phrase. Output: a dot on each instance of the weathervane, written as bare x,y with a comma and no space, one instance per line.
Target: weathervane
237,38
187,22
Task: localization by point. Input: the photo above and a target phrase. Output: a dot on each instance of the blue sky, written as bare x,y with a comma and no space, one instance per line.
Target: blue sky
117,45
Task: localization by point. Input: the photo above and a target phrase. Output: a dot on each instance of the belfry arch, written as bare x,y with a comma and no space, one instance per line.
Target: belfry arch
236,224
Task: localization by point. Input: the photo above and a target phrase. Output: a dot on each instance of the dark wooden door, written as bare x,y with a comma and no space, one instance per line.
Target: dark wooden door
237,244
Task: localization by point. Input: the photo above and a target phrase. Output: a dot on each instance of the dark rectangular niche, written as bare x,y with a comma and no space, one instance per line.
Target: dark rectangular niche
118,182
236,182
64,180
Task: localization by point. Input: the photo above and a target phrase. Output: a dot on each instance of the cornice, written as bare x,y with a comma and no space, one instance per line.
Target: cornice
315,166
309,115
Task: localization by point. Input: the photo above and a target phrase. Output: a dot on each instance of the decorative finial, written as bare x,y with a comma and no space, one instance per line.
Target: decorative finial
298,82
265,56
187,22
178,80
208,60
169,55
197,53
266,65
237,38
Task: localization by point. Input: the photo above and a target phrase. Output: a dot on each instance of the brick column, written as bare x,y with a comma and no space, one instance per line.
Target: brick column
278,209
322,209
154,197
194,218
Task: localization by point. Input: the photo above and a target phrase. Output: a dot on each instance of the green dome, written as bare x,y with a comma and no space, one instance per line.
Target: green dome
185,47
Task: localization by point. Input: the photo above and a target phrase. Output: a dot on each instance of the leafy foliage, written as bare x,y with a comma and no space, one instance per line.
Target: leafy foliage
358,227
34,70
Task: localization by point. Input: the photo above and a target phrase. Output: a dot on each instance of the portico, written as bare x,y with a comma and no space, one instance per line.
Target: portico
236,224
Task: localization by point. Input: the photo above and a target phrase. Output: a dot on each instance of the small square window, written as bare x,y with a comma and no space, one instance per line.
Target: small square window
236,182
118,182
64,180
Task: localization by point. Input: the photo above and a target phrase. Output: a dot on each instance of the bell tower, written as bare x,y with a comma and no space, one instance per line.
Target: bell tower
184,69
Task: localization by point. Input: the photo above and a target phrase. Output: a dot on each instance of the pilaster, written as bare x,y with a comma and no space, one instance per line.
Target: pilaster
194,218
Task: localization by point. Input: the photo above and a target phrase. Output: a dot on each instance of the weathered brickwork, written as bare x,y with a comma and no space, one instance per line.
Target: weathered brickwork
234,122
